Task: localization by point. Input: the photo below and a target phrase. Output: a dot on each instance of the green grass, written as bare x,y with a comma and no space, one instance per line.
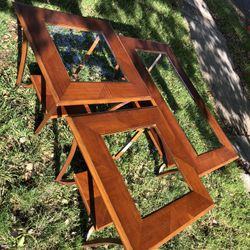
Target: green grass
36,213
233,27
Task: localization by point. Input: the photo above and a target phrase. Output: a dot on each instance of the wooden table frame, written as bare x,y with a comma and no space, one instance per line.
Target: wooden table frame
206,162
157,228
46,98
65,92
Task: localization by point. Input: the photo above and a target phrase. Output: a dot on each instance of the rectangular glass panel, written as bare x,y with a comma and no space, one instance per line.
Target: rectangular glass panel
178,99
73,46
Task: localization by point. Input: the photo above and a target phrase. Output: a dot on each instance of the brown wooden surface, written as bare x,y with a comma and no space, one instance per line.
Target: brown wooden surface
135,232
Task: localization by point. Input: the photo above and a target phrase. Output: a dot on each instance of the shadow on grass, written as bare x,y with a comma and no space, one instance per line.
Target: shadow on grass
65,5
167,30
158,25
226,80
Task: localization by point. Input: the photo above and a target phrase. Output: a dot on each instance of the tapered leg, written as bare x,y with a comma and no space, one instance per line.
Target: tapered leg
66,164
45,119
23,58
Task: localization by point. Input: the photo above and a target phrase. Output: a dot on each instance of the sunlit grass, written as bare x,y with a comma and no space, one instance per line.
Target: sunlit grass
35,212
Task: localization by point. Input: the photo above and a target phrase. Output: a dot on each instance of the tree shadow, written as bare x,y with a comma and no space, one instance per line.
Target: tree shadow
65,5
4,6
231,100
141,26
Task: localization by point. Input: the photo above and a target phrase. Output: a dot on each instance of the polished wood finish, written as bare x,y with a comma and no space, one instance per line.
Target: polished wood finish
155,229
63,91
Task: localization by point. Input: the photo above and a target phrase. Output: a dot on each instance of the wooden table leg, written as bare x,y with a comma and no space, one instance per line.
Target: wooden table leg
24,51
66,165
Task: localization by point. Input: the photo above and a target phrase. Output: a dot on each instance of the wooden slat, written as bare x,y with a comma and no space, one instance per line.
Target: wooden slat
24,51
103,92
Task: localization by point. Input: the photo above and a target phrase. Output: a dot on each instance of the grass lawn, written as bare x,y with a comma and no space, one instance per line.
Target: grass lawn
36,212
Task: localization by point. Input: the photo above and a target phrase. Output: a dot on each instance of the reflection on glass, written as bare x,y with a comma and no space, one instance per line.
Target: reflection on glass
85,55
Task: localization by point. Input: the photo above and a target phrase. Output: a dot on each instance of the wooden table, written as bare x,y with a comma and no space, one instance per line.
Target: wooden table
104,193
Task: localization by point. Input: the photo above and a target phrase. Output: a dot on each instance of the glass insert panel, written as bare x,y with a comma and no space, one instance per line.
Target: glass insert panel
178,99
86,55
